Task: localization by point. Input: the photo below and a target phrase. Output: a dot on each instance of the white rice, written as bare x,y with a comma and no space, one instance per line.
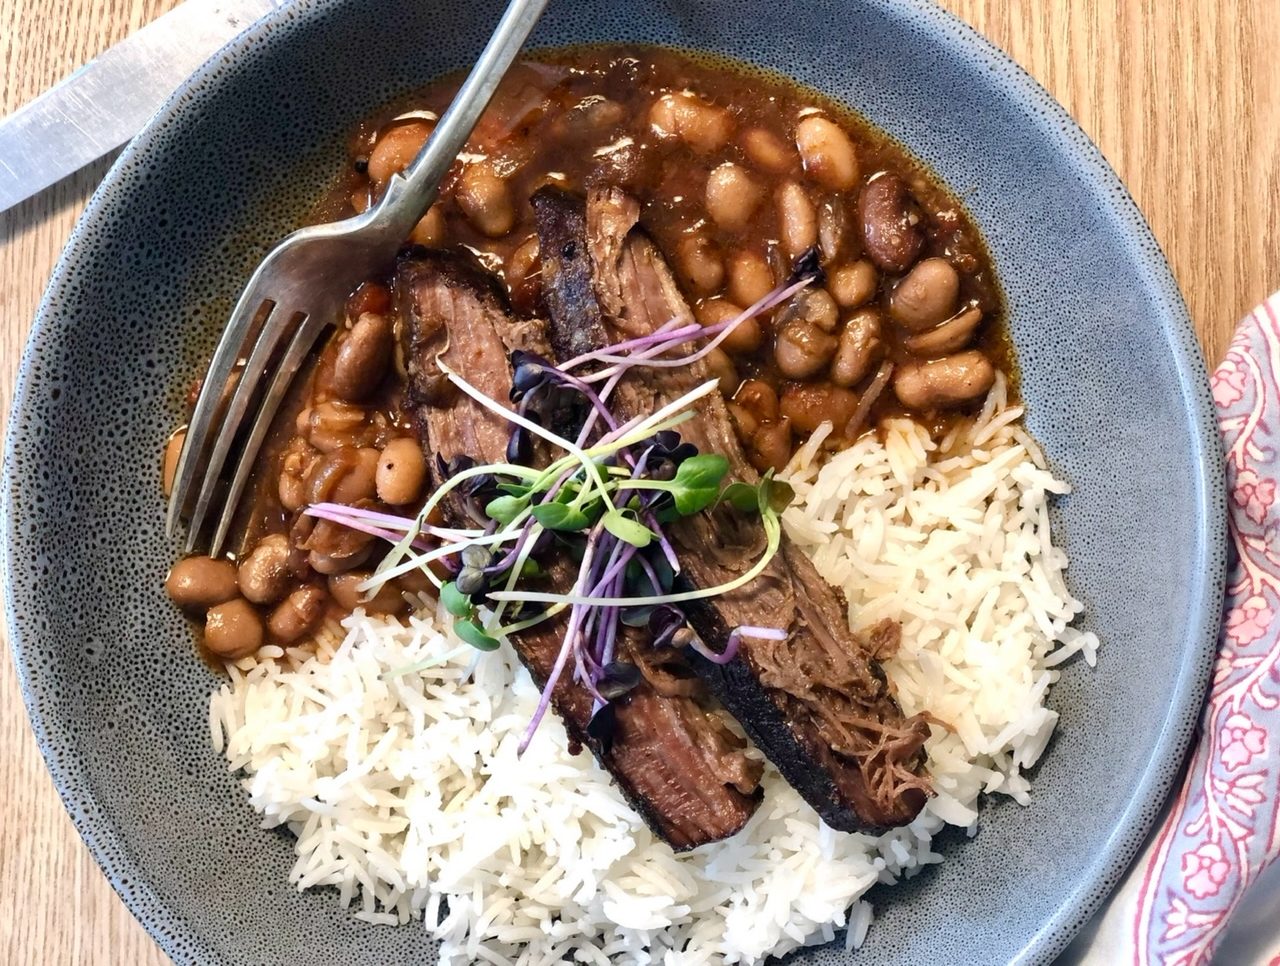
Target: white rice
406,794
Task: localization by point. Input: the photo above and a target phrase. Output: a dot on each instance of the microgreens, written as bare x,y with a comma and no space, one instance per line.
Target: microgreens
605,501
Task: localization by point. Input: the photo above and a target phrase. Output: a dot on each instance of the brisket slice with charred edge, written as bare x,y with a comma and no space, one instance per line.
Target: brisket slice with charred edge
817,703
676,761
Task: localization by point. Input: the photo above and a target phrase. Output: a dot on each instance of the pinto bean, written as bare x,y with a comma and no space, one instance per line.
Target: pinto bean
943,383
714,311
721,366
592,114
264,574
368,297
891,231
859,348
798,221
347,595
757,397
770,446
808,407
233,630
743,338
767,151
396,147
429,230
750,278
525,260
702,126
833,227
335,423
198,583
295,465
814,306
699,263
523,275
364,357
854,284
948,337
486,201
665,112
926,296
333,549
297,614
291,490
732,196
300,531
822,311
346,475
779,263
402,469
743,421
801,349
828,154
417,582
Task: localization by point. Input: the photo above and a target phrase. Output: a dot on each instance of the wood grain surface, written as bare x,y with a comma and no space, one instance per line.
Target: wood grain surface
1179,96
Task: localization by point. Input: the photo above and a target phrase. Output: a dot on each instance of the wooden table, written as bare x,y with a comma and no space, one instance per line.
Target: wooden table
1178,95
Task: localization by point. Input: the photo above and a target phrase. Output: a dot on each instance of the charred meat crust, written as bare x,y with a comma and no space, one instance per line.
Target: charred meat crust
562,232
674,760
801,699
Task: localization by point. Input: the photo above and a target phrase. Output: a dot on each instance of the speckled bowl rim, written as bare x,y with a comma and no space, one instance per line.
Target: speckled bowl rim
1164,763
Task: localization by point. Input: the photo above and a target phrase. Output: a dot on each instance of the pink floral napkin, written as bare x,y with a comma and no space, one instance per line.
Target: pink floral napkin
1222,830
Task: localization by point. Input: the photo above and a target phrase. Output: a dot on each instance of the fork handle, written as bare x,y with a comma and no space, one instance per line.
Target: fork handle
410,194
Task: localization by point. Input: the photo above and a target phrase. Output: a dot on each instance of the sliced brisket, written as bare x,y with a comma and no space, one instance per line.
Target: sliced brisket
816,703
676,761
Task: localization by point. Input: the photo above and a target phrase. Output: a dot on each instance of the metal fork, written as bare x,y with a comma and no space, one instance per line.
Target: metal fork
298,292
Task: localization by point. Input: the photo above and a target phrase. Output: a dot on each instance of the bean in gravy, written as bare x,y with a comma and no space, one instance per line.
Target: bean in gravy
738,173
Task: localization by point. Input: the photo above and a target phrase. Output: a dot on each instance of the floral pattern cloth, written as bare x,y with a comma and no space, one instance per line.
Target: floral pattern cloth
1223,829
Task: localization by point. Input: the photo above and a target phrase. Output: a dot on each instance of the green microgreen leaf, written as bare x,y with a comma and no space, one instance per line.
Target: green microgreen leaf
667,514
636,616
623,525
515,489
470,632
593,510
775,494
504,509
530,568
741,496
636,578
455,601
558,516
661,567
697,482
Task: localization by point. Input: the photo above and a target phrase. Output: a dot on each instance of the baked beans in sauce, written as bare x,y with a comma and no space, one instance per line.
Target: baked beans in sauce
738,172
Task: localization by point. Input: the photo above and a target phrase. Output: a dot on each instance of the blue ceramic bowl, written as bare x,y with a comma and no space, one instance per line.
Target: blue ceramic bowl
1114,382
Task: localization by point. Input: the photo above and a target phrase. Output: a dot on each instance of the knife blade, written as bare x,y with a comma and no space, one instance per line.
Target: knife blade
106,102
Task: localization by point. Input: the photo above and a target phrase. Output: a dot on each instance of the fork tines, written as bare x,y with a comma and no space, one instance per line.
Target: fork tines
249,375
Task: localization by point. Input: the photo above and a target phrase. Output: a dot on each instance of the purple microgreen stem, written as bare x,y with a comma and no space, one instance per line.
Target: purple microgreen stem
353,522
570,637
651,346
731,643
399,568
392,523
555,439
